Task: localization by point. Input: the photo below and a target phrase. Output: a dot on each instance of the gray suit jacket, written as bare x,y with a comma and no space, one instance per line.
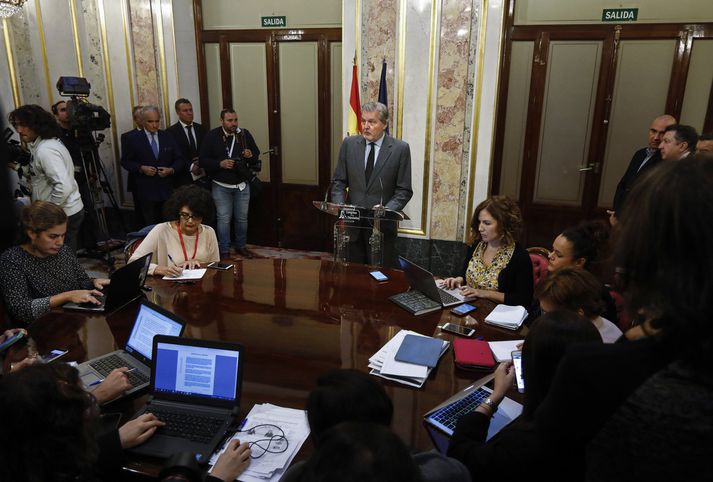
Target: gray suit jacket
392,167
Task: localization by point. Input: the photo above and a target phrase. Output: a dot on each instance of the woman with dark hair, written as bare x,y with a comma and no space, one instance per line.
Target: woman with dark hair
42,272
576,290
184,242
641,409
353,396
52,430
51,169
497,268
581,246
516,452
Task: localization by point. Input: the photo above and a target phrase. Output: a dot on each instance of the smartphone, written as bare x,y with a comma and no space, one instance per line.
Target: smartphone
11,341
517,364
219,265
462,310
52,356
378,276
458,329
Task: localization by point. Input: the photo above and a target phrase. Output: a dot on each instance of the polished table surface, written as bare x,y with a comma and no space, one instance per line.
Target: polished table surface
296,318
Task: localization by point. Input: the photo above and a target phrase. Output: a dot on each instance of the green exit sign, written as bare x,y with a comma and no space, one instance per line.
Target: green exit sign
620,14
272,22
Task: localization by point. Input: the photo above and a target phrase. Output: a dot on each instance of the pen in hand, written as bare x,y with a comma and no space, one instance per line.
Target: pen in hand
174,264
97,382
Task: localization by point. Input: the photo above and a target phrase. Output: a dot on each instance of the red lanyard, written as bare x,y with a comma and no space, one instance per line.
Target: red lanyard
183,246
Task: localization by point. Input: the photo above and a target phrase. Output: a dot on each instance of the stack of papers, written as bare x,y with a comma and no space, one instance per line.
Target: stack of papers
424,350
188,274
504,316
502,350
281,431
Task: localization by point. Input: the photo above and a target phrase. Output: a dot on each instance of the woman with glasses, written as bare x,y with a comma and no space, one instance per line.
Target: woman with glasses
184,242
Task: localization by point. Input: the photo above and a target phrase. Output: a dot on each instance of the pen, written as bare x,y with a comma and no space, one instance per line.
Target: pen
174,263
242,424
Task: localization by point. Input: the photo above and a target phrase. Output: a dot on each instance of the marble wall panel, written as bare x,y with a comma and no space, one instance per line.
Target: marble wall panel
455,26
380,22
28,57
145,47
7,71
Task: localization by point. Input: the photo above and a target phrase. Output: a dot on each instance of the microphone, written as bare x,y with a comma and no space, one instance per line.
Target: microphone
381,184
326,194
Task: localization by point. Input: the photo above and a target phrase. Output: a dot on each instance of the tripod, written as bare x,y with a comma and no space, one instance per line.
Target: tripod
98,183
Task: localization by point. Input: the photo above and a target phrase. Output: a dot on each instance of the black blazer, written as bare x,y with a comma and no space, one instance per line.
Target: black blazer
179,135
213,151
137,152
626,184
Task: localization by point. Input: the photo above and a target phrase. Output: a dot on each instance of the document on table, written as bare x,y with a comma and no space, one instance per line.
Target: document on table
383,363
502,350
188,274
275,432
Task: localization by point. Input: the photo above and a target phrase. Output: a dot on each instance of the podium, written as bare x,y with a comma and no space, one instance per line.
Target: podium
349,224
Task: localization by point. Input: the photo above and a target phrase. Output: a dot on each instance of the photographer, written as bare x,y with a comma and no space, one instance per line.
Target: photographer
231,157
51,169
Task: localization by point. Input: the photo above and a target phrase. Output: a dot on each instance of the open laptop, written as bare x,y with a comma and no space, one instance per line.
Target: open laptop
443,418
195,386
423,289
151,320
125,286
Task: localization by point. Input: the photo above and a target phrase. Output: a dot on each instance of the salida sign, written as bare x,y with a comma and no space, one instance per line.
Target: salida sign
620,14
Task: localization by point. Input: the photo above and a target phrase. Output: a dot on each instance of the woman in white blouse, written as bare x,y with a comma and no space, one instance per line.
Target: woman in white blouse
184,242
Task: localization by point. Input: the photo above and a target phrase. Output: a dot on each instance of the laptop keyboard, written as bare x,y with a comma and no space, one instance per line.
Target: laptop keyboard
107,364
447,298
197,428
449,415
416,300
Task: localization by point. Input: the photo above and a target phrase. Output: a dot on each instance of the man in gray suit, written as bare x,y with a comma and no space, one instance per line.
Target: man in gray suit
377,170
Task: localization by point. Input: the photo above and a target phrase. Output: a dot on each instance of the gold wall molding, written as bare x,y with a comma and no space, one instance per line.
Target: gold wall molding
41,31
75,35
16,99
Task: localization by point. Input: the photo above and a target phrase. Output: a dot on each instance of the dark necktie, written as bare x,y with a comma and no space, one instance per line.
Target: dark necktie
191,140
370,162
154,146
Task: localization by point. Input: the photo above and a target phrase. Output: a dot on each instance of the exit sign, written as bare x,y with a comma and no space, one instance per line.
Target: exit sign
272,22
620,14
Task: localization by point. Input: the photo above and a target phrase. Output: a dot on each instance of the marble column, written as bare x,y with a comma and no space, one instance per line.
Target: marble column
144,47
379,27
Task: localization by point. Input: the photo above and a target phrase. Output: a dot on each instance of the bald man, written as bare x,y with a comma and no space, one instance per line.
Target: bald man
642,160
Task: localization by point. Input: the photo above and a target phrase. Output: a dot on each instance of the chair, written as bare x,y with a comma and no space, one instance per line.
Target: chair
133,240
540,262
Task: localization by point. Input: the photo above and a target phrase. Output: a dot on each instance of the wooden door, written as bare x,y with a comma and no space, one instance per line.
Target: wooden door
282,84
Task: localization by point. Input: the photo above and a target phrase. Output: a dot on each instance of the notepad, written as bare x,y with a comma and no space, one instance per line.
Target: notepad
419,350
502,350
188,274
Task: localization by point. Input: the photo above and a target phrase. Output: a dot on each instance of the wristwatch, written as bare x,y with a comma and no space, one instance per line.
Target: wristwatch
490,403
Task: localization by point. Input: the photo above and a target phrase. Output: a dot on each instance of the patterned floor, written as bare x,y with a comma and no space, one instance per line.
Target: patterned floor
97,268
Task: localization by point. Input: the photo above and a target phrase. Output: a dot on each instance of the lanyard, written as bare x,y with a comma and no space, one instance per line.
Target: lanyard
183,246
230,151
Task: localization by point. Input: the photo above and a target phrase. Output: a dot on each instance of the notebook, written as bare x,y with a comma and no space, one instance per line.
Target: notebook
125,286
425,295
151,320
474,354
445,416
195,386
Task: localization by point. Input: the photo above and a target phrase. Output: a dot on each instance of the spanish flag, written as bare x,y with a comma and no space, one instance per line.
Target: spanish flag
354,116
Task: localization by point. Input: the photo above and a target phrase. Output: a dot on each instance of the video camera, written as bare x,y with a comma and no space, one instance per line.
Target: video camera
83,116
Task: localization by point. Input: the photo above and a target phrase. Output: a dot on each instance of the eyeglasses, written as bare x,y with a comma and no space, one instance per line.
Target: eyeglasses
187,216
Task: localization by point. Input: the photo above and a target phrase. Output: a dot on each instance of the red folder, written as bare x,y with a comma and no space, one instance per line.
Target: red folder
473,354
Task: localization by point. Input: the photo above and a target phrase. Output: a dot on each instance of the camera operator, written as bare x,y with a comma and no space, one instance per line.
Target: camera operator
51,169
231,157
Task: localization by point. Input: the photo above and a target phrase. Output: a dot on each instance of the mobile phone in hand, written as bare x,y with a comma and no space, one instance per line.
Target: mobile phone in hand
52,356
11,341
517,365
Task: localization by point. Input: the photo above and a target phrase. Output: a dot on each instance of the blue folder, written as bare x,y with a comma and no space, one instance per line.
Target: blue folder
420,350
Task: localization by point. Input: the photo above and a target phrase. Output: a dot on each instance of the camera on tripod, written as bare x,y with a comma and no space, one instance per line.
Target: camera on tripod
83,115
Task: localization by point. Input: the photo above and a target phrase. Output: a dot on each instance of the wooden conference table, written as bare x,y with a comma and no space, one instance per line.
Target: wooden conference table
296,318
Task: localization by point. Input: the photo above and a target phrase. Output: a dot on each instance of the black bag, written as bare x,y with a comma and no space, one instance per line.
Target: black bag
255,187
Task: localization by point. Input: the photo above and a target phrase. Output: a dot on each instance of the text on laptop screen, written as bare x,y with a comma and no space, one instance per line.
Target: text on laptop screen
150,323
196,371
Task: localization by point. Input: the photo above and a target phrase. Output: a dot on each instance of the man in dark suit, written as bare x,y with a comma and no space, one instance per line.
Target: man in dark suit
189,137
152,157
231,158
643,160
377,170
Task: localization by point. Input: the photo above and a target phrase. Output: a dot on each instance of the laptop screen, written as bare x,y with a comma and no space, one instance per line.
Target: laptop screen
149,323
196,371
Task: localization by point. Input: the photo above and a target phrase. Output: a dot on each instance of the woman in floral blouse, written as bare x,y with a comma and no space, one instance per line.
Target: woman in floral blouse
497,268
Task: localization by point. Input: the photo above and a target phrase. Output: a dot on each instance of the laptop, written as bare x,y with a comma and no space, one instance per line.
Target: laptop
195,386
125,286
425,295
443,419
151,320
